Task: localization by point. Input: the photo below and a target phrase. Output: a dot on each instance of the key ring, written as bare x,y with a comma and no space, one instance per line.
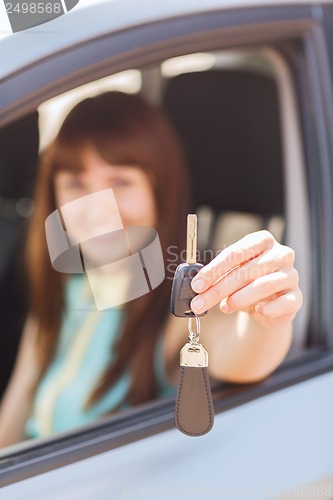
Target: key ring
194,336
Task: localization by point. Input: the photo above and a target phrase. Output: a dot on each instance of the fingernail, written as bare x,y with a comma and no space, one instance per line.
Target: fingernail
224,307
197,304
198,285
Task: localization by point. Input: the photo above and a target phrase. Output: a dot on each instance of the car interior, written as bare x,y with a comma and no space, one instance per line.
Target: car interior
227,108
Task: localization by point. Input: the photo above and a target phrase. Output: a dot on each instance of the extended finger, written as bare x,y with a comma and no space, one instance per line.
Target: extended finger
247,248
266,263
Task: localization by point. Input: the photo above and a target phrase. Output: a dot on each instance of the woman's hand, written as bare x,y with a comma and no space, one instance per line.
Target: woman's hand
256,275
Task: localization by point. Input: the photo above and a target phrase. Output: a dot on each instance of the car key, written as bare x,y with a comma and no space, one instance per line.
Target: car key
181,292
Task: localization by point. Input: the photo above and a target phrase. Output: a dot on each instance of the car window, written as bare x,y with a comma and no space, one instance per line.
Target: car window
240,96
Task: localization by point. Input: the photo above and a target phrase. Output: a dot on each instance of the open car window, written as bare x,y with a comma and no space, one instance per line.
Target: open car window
235,114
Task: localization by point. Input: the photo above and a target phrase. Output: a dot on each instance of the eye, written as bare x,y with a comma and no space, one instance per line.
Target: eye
73,182
121,182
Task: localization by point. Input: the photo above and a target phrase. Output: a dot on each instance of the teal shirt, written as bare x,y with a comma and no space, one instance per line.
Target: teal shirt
83,352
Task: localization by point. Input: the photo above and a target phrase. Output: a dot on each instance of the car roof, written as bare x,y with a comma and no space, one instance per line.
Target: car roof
99,17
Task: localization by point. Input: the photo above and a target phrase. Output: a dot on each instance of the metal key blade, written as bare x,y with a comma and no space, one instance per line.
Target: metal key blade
191,244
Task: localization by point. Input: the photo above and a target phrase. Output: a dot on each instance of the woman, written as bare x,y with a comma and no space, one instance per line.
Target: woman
119,141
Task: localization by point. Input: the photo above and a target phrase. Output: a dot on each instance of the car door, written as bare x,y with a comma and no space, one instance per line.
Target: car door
269,439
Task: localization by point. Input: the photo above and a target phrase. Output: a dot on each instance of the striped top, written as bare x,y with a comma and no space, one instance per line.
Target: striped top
84,350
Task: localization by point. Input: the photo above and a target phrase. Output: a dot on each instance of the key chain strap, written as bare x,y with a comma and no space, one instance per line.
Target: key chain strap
194,412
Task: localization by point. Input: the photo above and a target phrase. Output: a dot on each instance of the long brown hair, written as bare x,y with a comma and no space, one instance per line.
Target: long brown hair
123,129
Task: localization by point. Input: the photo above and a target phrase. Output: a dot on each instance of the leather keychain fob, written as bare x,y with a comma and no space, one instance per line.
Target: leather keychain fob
194,413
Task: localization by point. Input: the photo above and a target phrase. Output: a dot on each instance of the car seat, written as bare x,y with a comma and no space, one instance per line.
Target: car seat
229,124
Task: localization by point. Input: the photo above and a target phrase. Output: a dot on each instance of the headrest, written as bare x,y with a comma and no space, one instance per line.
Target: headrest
228,121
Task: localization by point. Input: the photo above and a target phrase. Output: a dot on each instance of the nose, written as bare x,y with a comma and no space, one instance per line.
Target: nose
103,212
95,214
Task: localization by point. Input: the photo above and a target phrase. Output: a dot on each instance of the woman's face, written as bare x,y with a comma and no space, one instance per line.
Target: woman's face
131,187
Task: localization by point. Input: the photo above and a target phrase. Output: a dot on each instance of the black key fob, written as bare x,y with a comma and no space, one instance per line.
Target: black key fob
181,292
